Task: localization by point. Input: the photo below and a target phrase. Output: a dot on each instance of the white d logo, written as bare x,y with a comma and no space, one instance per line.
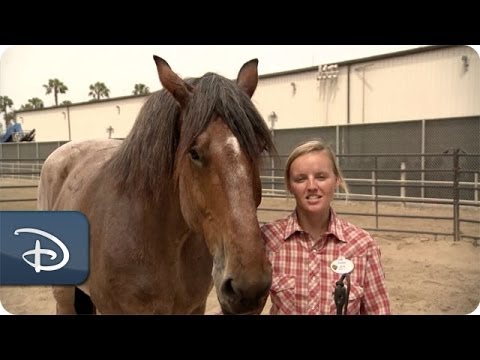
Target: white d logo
38,251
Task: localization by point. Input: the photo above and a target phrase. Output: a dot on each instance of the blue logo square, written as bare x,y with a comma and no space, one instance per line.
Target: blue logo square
43,248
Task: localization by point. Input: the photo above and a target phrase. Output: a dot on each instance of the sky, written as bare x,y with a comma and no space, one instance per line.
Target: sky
25,68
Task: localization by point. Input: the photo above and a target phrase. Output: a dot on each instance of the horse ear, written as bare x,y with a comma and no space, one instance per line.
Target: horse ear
247,77
179,89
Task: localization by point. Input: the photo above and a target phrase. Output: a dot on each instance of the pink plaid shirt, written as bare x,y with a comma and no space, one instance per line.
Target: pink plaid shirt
303,282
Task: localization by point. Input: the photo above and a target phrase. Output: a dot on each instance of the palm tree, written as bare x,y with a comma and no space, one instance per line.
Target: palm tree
33,103
9,117
98,90
140,89
56,86
5,103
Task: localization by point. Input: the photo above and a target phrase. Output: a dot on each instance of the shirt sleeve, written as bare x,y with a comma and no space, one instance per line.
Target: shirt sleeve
376,300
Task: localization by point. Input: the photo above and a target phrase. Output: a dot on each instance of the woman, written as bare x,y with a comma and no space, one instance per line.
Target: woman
314,253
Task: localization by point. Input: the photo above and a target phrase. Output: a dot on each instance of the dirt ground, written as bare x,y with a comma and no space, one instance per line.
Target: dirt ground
425,274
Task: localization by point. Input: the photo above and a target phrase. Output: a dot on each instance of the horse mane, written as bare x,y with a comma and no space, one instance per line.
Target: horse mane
145,161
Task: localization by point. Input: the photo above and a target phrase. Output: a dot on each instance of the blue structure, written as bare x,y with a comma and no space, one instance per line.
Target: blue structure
16,129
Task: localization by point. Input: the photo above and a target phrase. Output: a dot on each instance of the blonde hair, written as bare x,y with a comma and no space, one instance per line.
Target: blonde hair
313,146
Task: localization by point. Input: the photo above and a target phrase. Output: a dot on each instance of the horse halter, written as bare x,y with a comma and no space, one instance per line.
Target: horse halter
341,294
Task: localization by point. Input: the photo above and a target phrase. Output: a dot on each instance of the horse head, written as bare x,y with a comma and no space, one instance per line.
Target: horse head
217,179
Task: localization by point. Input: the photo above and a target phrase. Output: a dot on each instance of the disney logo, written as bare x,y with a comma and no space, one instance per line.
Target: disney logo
37,252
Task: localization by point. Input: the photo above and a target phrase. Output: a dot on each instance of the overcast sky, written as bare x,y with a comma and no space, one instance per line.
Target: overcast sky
25,68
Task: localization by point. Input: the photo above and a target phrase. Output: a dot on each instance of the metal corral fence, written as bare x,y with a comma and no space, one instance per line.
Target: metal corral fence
22,160
394,186
443,186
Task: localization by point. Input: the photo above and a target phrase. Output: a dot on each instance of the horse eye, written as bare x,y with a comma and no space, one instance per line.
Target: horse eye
262,146
194,155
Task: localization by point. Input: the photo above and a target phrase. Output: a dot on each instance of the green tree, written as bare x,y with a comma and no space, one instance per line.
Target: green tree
10,116
98,90
140,89
26,107
5,103
55,86
33,103
66,102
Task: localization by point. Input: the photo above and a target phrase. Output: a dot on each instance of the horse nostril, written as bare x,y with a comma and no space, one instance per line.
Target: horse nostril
245,290
227,287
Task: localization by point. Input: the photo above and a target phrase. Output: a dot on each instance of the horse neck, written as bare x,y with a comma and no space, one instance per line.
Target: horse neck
164,220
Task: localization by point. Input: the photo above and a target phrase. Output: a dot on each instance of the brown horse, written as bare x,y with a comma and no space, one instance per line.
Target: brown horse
172,208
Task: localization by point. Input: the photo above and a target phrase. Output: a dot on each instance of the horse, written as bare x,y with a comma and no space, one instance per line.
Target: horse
172,207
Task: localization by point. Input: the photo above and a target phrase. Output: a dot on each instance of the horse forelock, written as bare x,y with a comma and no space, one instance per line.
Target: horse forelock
146,160
213,96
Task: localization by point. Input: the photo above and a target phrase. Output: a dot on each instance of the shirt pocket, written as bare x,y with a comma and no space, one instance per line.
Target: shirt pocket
355,298
282,294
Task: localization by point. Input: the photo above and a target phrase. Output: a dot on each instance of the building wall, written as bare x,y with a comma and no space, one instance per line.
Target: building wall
300,100
49,124
426,85
87,121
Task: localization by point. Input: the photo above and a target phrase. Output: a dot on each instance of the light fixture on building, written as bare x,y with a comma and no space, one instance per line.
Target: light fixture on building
465,62
294,88
110,131
327,72
273,119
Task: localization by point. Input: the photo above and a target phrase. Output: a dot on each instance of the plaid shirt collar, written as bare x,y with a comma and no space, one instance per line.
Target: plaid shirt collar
334,226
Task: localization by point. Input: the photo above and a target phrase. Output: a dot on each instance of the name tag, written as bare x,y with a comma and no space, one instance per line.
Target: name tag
342,265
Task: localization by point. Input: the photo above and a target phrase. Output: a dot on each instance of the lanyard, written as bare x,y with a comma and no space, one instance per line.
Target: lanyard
341,294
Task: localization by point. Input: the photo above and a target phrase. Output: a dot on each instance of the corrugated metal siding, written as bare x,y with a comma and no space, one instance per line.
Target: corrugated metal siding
310,102
49,124
427,85
86,121
293,104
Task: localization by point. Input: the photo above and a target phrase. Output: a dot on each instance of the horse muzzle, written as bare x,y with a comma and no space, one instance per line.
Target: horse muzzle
238,296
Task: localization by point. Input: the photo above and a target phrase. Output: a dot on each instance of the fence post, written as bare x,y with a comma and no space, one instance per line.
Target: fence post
376,192
373,183
402,179
272,164
456,206
475,184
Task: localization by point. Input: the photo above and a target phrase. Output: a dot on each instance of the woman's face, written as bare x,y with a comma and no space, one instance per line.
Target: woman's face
313,182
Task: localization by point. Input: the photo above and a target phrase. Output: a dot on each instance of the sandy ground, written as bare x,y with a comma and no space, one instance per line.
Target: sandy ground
425,274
